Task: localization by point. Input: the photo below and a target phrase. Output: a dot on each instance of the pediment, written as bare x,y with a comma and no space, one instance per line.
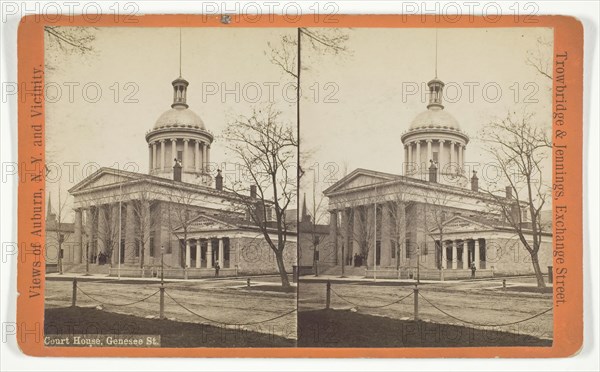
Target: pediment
461,224
207,223
103,177
360,178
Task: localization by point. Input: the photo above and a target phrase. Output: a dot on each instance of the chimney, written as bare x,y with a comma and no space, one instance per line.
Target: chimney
432,172
177,171
253,191
219,181
474,182
508,192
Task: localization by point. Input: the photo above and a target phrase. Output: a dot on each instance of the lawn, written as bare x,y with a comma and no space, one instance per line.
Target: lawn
90,321
344,328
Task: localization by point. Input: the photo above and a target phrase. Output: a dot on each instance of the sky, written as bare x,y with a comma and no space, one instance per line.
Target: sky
354,104
133,69
362,127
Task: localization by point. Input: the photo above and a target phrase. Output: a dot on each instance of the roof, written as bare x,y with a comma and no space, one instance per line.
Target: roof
179,117
228,220
435,118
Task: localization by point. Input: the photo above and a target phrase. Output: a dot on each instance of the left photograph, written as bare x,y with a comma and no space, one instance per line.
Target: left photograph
171,187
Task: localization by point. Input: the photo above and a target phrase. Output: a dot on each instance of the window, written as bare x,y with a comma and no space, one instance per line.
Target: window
425,250
179,155
394,247
408,248
435,156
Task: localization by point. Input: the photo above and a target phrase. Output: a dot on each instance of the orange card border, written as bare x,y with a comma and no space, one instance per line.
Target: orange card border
568,318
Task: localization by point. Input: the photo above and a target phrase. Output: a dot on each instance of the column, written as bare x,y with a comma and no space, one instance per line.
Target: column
102,229
418,157
154,162
150,164
146,216
444,255
441,159
465,254
477,265
410,159
204,162
344,226
207,157
460,158
454,255
401,231
333,221
130,233
197,156
429,155
198,253
452,157
356,231
221,252
405,160
78,253
386,240
371,231
184,161
173,149
114,223
188,254
209,253
162,155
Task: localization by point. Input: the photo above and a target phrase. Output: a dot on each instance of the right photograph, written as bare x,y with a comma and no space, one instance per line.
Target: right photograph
426,188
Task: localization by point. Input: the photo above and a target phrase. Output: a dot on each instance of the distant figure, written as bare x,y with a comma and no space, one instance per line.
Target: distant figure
217,268
355,259
473,269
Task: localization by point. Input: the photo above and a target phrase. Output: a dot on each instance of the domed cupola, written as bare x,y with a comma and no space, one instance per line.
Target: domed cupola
434,137
179,135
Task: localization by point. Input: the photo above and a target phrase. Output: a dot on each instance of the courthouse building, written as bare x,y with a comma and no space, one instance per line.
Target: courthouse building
178,211
434,219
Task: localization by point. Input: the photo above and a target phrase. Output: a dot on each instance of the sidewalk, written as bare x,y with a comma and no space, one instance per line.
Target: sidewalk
95,277
347,279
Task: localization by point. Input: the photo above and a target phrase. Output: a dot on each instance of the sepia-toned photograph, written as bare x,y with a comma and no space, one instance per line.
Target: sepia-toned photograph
171,173
311,187
426,216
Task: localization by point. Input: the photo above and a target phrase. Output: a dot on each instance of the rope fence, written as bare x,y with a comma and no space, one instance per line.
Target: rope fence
370,306
113,304
162,291
416,294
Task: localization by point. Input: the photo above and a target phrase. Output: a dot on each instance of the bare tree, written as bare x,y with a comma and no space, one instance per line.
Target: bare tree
541,58
145,204
267,150
61,233
181,211
64,40
108,228
397,222
90,220
287,52
519,148
437,214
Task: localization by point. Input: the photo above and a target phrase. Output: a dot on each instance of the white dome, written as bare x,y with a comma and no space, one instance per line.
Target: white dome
179,117
434,117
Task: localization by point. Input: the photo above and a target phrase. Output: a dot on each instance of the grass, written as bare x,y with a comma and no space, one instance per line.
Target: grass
271,288
343,328
78,320
528,289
